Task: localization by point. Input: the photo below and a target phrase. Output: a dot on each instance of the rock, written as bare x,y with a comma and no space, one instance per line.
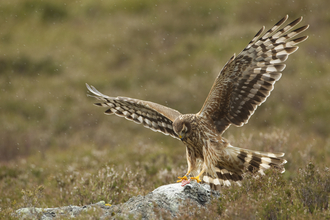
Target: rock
168,199
51,213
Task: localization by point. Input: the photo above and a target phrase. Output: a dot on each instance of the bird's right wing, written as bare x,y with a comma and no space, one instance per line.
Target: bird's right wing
152,115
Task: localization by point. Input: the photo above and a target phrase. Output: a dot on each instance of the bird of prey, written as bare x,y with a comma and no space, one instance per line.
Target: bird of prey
242,85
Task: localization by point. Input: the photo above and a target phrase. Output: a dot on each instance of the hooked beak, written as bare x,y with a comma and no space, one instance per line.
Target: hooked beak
181,138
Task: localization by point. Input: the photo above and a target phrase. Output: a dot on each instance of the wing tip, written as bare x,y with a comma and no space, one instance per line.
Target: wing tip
284,19
96,93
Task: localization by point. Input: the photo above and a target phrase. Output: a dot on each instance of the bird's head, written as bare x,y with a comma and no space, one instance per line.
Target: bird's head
182,127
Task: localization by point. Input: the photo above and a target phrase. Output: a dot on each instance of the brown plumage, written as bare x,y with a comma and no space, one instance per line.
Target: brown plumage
243,84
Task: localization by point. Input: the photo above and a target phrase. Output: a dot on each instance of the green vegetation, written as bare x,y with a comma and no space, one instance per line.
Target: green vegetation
57,149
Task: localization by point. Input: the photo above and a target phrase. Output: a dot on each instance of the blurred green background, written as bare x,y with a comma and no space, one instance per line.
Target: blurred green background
167,52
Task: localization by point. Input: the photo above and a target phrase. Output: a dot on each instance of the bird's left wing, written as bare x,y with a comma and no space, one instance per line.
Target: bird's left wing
246,81
152,115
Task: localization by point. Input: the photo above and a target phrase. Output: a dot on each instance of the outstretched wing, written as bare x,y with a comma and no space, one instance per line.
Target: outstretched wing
246,81
151,115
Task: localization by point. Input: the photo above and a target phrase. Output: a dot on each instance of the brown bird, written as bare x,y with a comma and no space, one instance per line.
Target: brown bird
243,84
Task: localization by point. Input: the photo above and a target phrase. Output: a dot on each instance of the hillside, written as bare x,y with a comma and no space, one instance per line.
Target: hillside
58,149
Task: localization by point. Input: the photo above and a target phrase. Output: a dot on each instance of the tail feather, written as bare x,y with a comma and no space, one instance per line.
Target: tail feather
239,161
256,161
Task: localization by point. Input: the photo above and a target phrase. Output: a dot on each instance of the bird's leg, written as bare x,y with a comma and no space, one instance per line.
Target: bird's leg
197,178
190,166
184,177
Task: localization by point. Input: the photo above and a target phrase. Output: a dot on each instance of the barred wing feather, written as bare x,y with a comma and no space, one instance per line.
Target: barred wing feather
152,115
246,81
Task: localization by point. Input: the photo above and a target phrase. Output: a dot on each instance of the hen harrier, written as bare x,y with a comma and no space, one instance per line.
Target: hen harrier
243,84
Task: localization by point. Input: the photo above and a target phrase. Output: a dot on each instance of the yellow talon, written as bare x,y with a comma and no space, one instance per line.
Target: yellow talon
196,178
182,178
107,204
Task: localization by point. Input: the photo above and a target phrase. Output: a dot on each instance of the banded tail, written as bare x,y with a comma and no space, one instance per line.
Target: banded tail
239,161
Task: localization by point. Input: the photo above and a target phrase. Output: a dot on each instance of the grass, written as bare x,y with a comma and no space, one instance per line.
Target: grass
57,149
